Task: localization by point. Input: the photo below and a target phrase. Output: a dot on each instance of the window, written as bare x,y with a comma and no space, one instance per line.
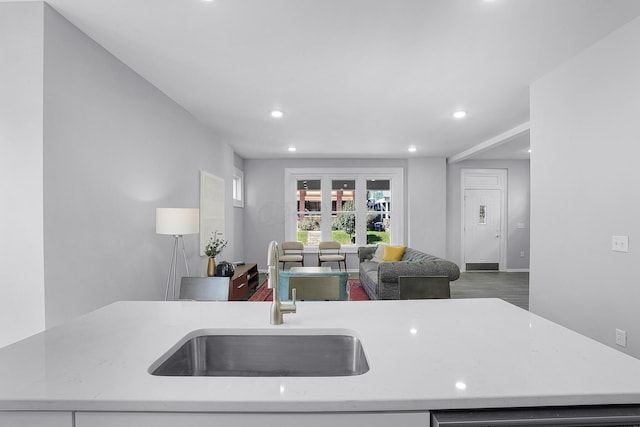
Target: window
351,206
378,210
238,185
343,211
309,216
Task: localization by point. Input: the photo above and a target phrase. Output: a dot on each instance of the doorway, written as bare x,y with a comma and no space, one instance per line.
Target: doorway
483,219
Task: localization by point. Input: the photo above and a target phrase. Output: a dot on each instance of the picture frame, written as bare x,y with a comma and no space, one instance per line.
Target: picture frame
212,208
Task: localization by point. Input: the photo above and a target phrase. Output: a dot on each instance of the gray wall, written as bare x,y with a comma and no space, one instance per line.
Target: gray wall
115,149
236,252
21,251
518,207
264,215
427,207
584,182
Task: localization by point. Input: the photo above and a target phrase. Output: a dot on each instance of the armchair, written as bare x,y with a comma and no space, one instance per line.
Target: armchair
330,252
292,252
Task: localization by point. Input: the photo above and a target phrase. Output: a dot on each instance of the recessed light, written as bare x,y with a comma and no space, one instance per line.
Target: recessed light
291,149
412,149
460,114
277,114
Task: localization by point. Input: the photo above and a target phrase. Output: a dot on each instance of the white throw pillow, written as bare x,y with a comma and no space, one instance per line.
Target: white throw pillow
377,257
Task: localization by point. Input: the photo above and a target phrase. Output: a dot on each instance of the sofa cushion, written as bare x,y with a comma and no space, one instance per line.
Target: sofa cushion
393,253
369,278
379,253
415,255
368,267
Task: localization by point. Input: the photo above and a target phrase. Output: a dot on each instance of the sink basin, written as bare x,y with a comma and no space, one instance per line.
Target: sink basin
266,355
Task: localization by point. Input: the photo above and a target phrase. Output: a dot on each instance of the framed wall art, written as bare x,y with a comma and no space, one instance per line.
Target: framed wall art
212,200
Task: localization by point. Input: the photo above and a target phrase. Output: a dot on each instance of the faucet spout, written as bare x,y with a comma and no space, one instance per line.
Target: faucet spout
278,308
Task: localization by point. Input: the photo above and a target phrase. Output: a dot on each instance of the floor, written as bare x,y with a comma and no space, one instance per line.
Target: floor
511,287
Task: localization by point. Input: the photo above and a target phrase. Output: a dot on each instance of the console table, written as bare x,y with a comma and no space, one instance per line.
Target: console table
244,279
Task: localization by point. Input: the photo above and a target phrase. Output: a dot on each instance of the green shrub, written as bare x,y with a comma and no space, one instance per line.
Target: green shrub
346,221
374,237
308,224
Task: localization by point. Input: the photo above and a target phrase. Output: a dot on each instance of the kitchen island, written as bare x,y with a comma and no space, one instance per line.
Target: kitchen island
423,355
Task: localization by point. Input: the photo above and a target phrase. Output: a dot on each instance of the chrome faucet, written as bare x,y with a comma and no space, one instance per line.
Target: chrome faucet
278,309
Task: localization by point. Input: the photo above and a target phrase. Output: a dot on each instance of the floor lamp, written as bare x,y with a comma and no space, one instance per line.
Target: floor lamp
176,222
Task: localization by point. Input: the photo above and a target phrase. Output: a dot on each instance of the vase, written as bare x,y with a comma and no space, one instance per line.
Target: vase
211,267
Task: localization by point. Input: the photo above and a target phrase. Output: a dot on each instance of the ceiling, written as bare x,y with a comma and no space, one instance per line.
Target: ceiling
354,78
516,148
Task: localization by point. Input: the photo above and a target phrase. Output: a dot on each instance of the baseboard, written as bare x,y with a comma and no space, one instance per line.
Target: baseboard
517,270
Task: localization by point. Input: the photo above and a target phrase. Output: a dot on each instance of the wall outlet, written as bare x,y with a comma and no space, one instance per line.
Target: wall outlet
521,253
620,243
621,337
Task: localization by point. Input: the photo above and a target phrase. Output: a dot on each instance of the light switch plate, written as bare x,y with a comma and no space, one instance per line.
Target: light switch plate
620,243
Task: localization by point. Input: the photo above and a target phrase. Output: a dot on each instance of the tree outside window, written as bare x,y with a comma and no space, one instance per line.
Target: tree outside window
345,224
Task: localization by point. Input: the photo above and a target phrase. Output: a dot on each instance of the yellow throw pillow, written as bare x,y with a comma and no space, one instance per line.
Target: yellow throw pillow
393,253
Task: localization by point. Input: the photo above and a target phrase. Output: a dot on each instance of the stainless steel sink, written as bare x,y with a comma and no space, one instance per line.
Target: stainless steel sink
266,355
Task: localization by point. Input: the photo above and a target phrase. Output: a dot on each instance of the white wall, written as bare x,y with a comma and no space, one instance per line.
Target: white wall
264,212
427,207
518,208
21,205
585,188
237,251
115,149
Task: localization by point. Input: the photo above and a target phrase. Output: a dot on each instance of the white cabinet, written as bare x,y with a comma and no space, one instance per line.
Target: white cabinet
159,419
35,419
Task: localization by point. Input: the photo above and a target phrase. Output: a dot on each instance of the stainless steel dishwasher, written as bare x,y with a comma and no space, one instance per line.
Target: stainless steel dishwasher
609,415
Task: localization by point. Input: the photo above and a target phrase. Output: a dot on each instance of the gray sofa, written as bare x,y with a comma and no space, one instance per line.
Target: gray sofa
380,280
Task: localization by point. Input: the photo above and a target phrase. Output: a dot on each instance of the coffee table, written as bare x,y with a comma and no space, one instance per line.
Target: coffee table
312,277
310,269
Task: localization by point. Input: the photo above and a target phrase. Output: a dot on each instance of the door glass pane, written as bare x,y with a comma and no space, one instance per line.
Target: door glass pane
482,215
378,211
343,211
309,199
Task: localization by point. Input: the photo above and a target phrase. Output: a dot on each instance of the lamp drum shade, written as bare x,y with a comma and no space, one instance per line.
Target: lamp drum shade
177,221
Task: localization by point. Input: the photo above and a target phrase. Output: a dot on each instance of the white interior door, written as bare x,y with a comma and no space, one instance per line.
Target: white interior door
483,221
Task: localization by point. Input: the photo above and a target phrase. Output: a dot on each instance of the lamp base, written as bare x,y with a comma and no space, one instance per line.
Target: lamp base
173,264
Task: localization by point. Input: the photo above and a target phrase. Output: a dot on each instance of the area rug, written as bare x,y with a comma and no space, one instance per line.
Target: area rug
356,292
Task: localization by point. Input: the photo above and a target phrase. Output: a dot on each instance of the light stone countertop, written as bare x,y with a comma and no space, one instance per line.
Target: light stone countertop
423,355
